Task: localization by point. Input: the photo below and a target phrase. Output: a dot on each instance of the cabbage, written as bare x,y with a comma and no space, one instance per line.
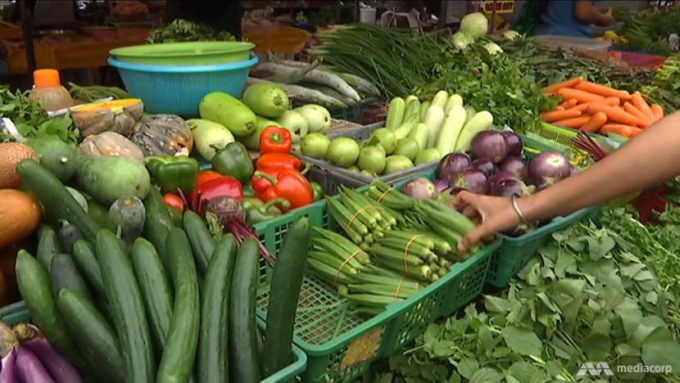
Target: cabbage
475,24
511,35
461,40
493,48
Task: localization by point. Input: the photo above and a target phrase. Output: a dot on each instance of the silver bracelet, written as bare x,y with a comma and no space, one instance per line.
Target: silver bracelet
515,206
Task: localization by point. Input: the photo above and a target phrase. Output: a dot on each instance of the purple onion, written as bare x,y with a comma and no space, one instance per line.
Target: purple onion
452,164
501,176
514,165
419,188
489,145
29,368
548,168
515,144
441,184
509,188
487,167
472,180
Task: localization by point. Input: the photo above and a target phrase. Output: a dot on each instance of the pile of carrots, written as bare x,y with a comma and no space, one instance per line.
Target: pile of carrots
596,108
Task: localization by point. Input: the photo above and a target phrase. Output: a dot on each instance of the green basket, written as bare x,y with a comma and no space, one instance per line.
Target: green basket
18,313
340,345
352,113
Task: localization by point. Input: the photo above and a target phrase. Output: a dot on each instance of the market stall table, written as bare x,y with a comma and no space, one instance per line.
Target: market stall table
72,51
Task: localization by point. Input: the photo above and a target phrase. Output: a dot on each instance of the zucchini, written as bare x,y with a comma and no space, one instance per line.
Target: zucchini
64,275
454,100
423,109
434,119
202,243
213,346
440,99
125,301
420,134
180,348
480,122
155,289
243,349
157,224
55,198
68,235
450,130
395,113
88,327
284,293
86,262
34,286
48,246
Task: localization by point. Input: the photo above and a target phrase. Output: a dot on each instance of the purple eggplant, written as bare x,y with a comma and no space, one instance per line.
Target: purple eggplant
514,165
8,374
440,185
472,180
58,367
501,176
487,167
548,168
515,144
489,145
29,368
452,164
419,188
509,188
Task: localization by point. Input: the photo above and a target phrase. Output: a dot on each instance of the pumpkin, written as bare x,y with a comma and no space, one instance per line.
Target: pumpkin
110,144
163,134
118,116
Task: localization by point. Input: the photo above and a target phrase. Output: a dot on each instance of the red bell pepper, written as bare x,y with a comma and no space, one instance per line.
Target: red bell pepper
277,160
275,140
206,175
224,186
288,184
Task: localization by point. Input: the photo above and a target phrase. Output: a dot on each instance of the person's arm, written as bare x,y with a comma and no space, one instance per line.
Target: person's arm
649,159
587,12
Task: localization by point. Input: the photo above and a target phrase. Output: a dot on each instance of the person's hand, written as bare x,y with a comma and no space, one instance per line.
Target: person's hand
496,214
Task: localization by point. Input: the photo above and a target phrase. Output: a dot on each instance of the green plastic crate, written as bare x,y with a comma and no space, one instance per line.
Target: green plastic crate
18,313
340,345
353,112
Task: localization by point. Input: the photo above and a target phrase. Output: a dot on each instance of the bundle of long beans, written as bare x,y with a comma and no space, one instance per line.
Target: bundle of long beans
396,245
395,60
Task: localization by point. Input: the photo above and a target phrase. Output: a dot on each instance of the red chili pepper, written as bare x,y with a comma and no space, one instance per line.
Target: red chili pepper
277,160
224,186
288,184
173,200
275,140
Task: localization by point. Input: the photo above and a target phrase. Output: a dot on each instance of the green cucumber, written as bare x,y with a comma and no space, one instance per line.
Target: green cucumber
213,345
180,348
243,350
68,235
157,224
55,198
90,330
283,297
202,243
86,262
48,246
155,288
34,286
125,301
64,275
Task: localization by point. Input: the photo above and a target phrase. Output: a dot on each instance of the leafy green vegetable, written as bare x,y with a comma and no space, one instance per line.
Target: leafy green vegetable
183,30
31,121
594,293
96,92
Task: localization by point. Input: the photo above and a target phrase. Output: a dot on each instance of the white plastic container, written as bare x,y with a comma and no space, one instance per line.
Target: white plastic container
367,15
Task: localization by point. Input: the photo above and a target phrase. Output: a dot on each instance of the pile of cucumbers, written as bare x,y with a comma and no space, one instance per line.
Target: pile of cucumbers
176,305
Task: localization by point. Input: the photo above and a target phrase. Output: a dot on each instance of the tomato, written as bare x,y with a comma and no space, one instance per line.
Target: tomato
173,200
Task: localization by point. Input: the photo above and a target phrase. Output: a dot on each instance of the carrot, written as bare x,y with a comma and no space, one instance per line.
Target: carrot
602,90
621,130
578,95
642,105
615,114
574,123
595,123
560,115
569,104
552,89
559,108
611,101
657,111
628,107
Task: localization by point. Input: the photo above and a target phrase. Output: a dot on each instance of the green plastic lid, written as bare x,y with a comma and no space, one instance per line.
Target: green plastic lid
187,53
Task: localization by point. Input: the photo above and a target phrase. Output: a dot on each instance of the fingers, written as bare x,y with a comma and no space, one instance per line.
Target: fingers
474,237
